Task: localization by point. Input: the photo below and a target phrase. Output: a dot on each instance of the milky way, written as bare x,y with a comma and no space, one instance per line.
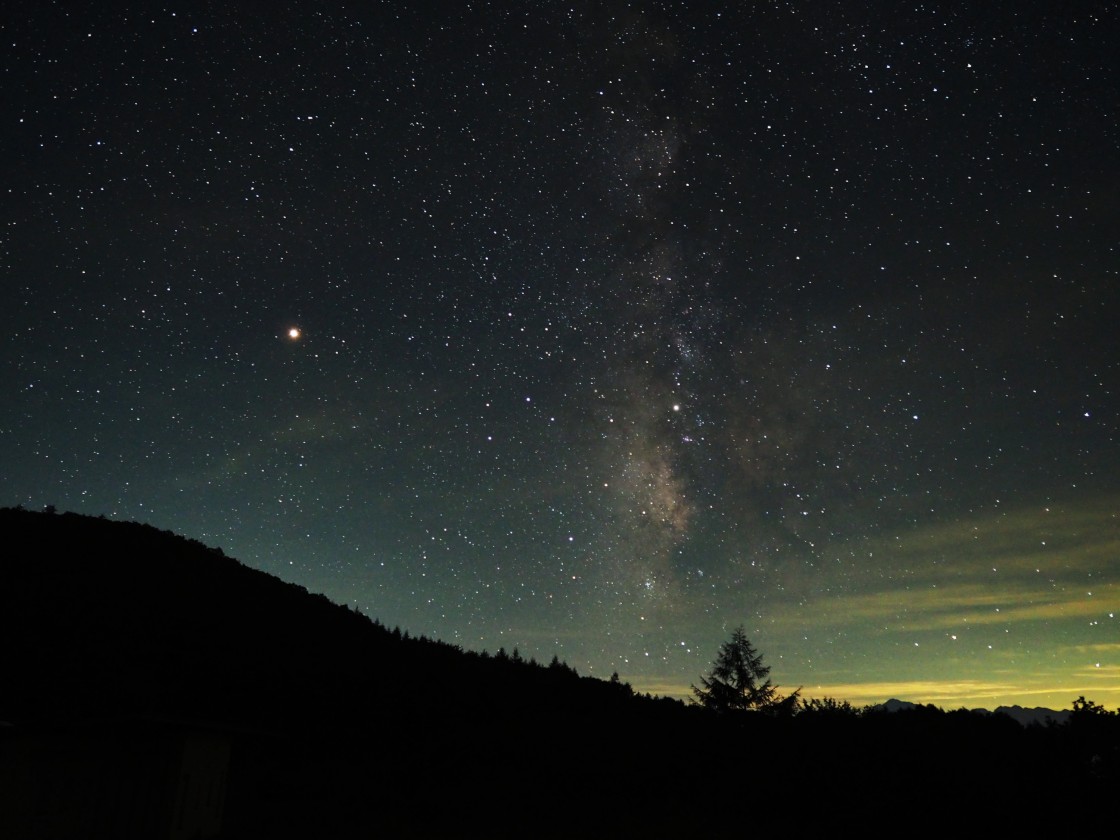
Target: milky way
593,330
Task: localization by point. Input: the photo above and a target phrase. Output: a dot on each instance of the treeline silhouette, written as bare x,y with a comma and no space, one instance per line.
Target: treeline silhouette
155,687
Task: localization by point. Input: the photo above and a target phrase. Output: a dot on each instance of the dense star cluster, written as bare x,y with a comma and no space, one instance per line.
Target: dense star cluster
593,329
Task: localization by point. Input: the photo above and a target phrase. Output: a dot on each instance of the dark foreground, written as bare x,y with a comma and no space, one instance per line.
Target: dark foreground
156,688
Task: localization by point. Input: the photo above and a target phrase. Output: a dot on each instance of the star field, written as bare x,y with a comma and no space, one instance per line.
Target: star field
590,329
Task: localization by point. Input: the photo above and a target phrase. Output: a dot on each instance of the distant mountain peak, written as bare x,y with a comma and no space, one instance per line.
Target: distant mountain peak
895,705
1026,717
1037,715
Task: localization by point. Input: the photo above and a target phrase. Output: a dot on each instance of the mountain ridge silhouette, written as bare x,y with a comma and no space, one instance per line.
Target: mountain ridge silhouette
126,643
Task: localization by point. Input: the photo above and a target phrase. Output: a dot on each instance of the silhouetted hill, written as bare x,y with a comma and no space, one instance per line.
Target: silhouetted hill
122,625
151,681
121,618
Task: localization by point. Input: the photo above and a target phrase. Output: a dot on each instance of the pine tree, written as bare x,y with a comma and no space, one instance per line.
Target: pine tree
739,681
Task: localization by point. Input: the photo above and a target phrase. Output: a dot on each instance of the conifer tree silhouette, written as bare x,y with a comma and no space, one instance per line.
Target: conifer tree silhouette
739,681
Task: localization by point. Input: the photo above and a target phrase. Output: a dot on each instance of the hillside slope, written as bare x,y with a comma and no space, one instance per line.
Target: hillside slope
142,667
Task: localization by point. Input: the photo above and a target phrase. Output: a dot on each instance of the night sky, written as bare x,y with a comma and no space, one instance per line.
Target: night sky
593,329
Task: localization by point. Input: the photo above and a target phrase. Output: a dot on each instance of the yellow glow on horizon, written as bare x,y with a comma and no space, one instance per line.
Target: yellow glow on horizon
945,694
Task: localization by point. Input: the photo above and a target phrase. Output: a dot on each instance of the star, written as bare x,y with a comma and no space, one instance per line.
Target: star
560,329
